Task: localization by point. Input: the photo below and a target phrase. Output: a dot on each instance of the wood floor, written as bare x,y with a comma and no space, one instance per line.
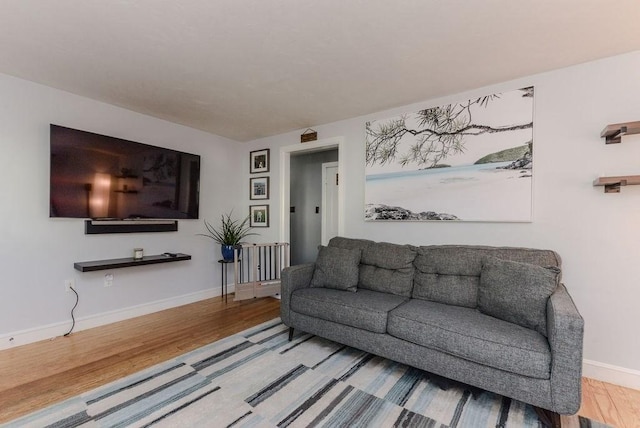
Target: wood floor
37,375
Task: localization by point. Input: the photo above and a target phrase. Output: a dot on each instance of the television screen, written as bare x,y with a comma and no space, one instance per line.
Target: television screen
100,177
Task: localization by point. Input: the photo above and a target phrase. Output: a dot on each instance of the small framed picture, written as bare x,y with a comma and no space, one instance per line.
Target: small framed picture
259,188
259,216
259,161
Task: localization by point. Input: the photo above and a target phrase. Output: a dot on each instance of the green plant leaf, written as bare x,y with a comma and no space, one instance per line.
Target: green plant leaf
230,232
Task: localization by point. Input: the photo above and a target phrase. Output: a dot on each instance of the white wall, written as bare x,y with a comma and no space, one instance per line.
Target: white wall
37,253
596,234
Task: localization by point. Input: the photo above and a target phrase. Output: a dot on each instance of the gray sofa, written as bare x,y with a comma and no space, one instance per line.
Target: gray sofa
495,318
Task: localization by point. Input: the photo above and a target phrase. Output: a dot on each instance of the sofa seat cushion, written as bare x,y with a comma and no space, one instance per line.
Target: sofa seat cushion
363,309
469,334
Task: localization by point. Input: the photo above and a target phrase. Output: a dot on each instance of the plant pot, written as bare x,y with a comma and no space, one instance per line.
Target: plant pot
227,252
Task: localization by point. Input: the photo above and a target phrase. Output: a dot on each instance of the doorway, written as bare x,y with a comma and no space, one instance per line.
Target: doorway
307,211
288,156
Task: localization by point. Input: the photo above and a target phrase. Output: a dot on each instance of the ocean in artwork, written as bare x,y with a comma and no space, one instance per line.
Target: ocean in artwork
470,192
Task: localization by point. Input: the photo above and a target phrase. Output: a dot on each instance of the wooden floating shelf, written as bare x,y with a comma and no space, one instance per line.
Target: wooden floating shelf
613,133
612,184
128,262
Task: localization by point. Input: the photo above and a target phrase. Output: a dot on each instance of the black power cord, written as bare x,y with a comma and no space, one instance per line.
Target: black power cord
73,319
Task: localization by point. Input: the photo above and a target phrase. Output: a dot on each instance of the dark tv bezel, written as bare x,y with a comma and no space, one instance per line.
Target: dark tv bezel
126,220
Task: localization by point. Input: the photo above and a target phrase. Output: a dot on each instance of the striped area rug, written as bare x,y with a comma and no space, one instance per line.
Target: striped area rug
258,378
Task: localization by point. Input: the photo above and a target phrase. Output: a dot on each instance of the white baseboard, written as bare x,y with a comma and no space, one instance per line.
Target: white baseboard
51,331
611,374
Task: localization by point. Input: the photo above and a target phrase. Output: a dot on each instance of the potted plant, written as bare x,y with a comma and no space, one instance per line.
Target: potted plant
229,235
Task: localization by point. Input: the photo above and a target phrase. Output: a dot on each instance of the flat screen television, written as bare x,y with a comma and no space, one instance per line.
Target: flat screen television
100,177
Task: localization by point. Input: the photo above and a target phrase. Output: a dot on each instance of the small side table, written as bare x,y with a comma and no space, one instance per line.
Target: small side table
224,277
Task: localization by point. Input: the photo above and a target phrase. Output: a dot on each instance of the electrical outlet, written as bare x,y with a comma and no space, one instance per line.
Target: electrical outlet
68,283
108,279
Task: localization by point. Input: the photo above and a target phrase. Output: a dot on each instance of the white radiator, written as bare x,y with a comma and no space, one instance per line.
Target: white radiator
257,269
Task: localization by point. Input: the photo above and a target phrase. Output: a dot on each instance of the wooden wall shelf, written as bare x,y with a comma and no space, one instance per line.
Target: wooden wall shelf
613,133
612,184
128,262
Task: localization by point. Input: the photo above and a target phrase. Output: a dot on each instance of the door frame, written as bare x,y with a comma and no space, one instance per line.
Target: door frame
285,178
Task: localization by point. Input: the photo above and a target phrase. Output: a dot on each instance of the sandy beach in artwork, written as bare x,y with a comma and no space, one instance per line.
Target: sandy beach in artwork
472,192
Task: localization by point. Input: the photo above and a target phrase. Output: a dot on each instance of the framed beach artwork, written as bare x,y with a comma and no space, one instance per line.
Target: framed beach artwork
466,161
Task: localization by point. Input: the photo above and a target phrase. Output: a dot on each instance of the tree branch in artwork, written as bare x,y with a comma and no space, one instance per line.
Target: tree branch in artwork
440,133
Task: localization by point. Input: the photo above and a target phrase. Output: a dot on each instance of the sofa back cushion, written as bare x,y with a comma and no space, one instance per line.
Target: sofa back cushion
337,268
517,292
451,273
350,243
387,268
384,267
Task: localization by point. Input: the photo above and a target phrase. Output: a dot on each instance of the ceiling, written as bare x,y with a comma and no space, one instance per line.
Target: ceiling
246,69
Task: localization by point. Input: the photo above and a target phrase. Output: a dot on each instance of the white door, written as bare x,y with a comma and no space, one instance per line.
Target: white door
330,213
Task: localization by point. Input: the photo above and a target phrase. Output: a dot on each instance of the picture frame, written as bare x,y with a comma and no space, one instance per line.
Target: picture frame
259,161
470,161
259,188
259,215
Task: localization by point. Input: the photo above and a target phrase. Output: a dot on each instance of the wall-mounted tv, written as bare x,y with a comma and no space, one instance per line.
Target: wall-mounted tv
100,177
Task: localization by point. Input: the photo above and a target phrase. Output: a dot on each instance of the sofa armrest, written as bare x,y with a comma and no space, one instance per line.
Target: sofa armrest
293,278
565,331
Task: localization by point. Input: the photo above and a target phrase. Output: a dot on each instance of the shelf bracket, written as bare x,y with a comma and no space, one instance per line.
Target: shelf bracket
613,187
617,137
